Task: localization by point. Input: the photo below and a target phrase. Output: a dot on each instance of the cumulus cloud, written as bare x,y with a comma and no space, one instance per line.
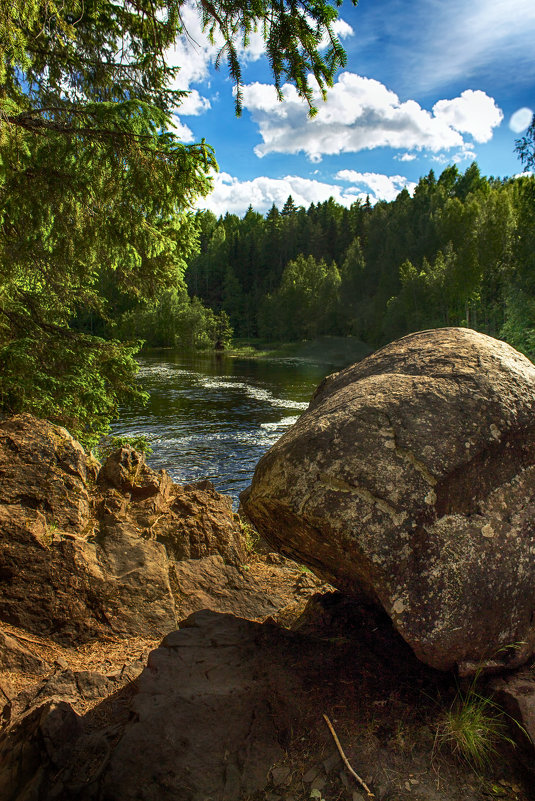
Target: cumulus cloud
474,113
405,157
192,52
182,131
521,119
377,185
194,104
361,114
235,196
341,28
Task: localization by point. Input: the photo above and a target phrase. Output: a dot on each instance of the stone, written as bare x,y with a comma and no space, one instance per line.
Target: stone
280,775
311,774
87,550
410,482
16,657
200,724
126,470
209,583
516,694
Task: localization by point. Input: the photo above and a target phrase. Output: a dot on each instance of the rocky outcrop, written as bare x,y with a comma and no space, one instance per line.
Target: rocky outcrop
411,480
90,551
98,563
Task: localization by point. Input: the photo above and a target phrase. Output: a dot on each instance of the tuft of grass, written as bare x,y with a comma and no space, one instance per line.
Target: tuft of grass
472,728
250,535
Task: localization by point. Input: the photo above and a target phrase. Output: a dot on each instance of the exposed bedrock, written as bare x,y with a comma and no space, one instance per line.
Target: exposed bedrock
411,479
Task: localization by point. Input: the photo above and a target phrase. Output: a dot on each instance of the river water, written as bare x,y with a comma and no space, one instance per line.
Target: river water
214,416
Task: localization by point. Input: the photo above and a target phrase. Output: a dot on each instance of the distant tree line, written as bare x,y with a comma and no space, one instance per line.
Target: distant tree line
460,251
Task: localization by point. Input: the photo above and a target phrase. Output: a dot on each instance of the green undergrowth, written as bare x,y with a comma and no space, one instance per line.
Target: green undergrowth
472,728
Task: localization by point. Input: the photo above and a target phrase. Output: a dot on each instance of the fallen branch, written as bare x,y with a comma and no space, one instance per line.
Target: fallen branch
345,759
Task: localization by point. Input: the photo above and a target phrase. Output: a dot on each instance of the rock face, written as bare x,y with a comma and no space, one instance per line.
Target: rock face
98,563
232,710
87,552
411,479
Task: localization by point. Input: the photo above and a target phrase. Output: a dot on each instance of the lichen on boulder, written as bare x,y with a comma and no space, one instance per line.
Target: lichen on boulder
411,480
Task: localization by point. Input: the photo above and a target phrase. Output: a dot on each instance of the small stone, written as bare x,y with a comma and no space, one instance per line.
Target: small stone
357,796
343,778
311,774
280,775
333,761
318,783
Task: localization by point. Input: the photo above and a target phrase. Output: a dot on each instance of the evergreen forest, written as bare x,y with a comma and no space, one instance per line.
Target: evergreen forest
460,251
97,190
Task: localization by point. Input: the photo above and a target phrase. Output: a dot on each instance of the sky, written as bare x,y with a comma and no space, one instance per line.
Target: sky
428,83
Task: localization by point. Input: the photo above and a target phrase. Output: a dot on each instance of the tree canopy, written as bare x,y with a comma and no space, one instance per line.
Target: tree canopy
525,147
459,252
94,182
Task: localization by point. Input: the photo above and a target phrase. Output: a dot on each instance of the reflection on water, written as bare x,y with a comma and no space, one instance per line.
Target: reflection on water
212,416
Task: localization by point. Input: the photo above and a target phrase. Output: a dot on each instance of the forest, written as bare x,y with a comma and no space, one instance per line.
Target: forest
460,251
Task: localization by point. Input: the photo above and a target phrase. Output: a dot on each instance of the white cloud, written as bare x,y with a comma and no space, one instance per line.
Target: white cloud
194,104
235,196
192,52
362,114
341,28
474,113
405,157
377,185
182,131
521,119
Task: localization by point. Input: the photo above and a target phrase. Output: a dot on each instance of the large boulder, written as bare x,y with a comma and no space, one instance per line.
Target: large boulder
411,480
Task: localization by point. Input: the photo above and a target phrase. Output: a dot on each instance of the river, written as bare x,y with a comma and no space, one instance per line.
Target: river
214,416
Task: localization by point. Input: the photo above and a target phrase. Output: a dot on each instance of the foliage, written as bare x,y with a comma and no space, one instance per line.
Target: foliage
108,445
304,305
525,147
172,319
460,251
250,535
472,728
97,190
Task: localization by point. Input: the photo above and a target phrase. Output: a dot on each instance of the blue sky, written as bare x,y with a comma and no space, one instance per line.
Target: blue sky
427,84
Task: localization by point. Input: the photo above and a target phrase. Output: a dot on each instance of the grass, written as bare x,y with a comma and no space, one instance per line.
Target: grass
472,728
250,536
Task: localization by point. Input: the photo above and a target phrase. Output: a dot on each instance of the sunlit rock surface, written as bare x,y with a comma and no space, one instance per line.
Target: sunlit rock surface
411,479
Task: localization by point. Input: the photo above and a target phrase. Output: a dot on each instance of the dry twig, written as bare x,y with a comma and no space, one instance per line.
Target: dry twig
345,759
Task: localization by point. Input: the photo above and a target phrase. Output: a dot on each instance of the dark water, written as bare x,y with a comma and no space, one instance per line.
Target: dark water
213,416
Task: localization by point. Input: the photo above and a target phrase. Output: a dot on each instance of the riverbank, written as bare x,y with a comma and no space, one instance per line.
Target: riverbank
329,351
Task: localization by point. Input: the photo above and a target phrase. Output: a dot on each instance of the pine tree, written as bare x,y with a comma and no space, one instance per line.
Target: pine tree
93,181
